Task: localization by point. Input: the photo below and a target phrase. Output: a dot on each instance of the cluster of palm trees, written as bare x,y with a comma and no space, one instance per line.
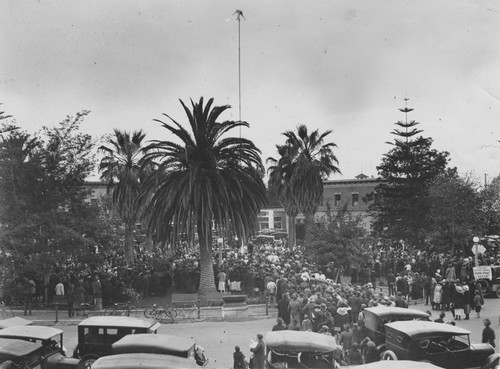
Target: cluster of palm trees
206,179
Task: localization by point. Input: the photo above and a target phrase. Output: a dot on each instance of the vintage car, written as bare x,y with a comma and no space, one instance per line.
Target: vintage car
406,364
441,344
164,344
143,361
51,339
24,354
297,349
13,322
488,277
376,318
34,347
97,334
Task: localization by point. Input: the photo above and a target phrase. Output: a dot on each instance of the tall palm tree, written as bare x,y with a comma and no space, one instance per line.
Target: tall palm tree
121,168
279,174
201,181
305,162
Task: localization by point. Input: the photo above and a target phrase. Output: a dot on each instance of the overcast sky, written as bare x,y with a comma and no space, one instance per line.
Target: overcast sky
340,65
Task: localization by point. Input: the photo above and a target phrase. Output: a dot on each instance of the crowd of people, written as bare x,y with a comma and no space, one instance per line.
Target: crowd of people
311,299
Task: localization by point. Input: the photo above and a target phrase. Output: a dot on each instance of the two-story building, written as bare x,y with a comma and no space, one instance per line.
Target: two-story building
336,193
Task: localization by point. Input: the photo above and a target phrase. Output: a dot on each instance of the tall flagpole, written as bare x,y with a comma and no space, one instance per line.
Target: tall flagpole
239,15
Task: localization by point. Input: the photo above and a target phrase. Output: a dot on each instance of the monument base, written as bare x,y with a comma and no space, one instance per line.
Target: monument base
235,311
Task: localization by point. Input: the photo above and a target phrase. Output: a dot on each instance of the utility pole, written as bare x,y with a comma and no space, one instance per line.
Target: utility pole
239,15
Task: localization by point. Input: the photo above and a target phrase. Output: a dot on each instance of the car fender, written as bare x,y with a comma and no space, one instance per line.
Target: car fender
480,348
59,361
388,355
492,362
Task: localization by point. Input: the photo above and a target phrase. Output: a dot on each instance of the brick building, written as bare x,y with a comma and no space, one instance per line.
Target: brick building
336,193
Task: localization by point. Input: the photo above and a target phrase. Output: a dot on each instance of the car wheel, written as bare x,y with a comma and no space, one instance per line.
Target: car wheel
88,361
498,292
8,365
389,355
148,313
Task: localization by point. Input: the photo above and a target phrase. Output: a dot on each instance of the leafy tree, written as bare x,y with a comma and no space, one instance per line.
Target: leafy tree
338,239
400,205
42,181
305,161
489,198
203,181
455,211
121,168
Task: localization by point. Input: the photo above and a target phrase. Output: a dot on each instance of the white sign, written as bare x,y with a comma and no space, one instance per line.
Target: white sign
482,272
480,249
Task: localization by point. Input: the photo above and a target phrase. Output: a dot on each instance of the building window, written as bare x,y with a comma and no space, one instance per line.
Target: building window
277,222
337,199
355,199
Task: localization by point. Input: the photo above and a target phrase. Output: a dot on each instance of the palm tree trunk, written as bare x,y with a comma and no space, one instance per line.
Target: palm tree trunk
309,221
292,234
207,279
149,244
129,243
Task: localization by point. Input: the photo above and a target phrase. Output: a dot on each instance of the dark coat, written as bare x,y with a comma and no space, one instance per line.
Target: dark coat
259,355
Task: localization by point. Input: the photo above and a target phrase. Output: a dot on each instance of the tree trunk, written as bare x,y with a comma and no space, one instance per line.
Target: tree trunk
292,235
207,279
149,244
129,243
308,223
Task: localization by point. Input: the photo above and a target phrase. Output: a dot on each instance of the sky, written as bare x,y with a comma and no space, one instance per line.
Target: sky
339,65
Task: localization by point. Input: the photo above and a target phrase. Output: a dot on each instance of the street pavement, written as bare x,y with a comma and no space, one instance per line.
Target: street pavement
218,337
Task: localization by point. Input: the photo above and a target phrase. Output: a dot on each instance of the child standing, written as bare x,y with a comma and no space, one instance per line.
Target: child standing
477,303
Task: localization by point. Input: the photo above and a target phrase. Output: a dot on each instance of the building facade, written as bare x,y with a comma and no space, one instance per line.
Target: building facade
336,194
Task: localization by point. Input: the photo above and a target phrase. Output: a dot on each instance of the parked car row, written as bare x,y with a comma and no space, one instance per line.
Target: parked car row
103,342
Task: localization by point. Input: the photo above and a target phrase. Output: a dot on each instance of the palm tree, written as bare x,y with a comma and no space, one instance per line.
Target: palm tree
203,181
121,168
305,162
279,173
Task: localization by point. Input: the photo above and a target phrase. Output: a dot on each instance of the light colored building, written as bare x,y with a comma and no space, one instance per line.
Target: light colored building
98,189
336,193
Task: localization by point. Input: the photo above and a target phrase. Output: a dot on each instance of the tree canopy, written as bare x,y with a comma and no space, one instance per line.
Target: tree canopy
400,205
202,180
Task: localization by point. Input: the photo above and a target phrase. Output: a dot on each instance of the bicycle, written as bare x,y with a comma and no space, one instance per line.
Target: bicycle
161,314
5,311
86,309
192,313
121,309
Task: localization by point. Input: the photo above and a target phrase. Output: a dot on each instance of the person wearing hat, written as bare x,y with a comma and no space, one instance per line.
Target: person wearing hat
488,335
259,353
458,302
442,315
354,356
467,300
238,359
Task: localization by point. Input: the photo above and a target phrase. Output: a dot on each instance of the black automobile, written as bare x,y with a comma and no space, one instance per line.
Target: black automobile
441,344
97,334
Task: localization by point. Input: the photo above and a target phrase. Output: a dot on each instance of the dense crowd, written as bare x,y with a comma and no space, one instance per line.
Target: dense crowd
308,298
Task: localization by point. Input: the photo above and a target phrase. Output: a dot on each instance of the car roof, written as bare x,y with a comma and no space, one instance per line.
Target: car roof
11,322
120,322
388,364
143,361
419,328
16,348
299,341
385,311
30,331
152,343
